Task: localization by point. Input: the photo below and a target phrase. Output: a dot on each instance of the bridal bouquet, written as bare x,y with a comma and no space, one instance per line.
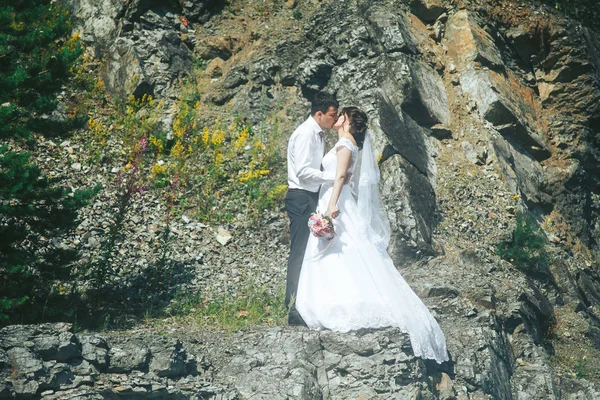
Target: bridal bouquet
321,226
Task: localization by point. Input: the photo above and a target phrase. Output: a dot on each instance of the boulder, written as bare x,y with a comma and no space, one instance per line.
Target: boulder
48,341
171,360
215,67
391,30
523,174
503,100
95,350
410,201
469,43
128,356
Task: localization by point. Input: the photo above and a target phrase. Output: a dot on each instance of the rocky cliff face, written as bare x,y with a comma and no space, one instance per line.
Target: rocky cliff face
479,111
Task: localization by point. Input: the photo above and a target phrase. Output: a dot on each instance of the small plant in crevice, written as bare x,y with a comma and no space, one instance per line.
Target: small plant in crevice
526,247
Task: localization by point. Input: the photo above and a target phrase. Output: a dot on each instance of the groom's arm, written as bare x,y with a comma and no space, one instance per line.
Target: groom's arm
304,151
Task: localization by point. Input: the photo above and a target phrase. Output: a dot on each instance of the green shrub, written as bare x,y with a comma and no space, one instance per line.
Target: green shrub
525,249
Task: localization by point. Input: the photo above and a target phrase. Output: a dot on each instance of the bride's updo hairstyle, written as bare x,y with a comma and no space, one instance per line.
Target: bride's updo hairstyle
358,124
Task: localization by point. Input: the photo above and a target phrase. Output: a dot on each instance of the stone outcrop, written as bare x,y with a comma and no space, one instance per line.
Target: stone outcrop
51,362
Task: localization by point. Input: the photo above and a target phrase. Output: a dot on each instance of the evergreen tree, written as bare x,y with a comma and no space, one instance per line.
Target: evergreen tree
36,55
35,58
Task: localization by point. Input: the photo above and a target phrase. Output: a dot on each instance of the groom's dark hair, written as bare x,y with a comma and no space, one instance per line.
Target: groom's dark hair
322,101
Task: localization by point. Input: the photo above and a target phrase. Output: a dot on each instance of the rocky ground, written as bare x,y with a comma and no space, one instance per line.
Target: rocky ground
480,111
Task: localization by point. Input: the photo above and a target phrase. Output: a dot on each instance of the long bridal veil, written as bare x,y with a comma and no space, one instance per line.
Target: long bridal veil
370,205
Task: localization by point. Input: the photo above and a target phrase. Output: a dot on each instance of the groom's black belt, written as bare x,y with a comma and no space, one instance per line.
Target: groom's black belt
302,190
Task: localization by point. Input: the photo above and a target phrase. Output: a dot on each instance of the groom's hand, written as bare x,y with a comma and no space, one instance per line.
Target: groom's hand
348,177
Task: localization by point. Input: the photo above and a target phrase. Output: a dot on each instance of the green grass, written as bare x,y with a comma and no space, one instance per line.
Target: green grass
253,305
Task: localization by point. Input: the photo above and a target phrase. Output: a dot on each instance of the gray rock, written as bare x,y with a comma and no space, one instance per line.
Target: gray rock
469,43
432,100
410,203
475,154
25,388
171,361
95,350
235,78
498,103
201,10
523,174
127,357
4,360
25,362
390,30
312,365
49,341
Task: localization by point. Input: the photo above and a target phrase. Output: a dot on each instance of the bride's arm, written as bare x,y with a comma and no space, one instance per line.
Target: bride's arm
343,160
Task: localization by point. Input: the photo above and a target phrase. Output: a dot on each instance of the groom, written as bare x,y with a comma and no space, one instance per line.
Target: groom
306,148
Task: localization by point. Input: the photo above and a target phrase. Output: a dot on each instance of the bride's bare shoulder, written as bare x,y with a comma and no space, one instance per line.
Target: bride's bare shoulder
349,139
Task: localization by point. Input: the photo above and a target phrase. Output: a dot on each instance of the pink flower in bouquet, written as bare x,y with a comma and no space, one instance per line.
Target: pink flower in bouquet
321,226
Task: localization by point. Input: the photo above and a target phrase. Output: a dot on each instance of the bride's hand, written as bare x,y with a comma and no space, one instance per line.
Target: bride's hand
333,212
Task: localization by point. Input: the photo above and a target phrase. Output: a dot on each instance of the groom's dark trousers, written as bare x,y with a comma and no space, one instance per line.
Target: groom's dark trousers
299,204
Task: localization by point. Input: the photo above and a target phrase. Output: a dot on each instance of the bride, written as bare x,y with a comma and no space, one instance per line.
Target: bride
351,282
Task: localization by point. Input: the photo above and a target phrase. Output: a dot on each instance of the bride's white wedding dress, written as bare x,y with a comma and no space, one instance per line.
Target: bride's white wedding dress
353,284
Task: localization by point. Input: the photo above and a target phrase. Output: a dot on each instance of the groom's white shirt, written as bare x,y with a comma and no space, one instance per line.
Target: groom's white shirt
305,152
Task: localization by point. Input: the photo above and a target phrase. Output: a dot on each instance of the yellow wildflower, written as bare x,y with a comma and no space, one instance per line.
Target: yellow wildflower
241,140
218,137
178,129
62,289
205,136
157,143
100,85
278,191
218,158
515,197
379,157
259,145
250,175
177,150
159,169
